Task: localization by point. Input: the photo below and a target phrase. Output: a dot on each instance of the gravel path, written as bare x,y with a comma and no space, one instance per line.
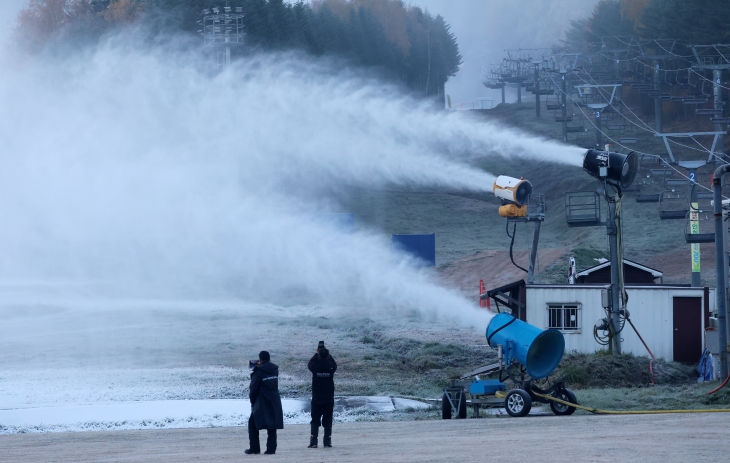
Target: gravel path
650,438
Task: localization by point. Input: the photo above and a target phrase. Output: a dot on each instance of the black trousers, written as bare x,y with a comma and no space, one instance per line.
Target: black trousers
322,416
253,437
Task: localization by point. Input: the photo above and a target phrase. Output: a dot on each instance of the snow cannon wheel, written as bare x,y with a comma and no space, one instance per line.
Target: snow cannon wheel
445,407
562,409
517,403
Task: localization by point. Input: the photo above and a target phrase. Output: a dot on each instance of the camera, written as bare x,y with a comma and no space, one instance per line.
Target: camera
253,364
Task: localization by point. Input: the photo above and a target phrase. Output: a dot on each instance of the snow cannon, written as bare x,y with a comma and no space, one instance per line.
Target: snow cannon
614,168
539,351
514,194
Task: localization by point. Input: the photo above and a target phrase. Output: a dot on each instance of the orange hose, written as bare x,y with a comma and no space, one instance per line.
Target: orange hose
720,386
651,370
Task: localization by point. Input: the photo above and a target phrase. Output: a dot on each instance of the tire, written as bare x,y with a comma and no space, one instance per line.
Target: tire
462,405
445,407
517,403
562,409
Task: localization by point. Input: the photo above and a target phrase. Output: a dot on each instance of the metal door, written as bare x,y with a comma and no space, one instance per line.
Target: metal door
687,323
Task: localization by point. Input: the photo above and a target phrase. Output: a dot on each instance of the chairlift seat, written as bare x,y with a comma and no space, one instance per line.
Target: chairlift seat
647,198
699,238
553,106
575,129
564,119
673,214
703,236
673,205
616,126
707,111
672,182
661,172
628,140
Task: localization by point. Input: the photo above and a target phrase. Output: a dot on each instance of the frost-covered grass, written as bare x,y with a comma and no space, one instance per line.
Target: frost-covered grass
685,397
122,385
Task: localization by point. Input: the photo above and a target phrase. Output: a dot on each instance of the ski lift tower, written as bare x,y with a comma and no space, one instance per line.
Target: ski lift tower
656,94
563,63
222,27
714,58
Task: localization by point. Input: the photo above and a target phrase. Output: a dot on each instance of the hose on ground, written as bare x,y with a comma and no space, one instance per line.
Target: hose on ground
720,386
630,412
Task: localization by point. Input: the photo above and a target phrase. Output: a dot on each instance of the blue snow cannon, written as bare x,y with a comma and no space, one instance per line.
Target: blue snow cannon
539,351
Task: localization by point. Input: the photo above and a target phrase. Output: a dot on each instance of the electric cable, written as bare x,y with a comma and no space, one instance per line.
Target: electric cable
648,127
489,338
511,245
637,152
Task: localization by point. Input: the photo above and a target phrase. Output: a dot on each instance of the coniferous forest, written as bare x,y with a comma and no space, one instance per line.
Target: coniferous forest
687,21
405,43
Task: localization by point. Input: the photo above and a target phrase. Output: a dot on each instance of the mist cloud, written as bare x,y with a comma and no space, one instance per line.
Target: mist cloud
144,172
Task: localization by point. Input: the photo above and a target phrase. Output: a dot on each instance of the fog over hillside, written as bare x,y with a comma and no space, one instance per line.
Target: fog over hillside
485,28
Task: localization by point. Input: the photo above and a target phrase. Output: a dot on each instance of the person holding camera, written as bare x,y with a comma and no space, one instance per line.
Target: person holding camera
323,368
266,412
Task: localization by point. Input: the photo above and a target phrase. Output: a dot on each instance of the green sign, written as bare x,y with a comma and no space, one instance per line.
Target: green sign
694,229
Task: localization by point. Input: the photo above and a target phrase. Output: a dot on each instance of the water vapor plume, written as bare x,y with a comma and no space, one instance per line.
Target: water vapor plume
141,170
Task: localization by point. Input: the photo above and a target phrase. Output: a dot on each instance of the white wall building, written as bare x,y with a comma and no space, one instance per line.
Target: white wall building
671,319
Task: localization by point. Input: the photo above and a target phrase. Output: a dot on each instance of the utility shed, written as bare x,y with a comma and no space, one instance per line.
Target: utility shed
634,273
671,319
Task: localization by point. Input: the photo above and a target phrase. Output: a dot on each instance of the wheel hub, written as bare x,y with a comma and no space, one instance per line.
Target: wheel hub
516,403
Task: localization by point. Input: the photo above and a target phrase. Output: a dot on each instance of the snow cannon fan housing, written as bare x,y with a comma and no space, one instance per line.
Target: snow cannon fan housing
615,168
515,194
539,351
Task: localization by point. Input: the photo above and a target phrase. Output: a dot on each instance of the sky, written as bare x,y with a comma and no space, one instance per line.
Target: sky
485,28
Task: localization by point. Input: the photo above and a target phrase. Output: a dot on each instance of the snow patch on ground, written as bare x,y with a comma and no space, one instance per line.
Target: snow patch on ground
118,399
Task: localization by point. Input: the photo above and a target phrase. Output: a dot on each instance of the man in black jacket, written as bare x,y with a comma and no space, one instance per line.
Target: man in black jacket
323,368
266,412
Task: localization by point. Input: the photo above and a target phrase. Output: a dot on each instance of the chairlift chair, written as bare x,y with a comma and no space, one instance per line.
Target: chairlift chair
647,190
673,204
701,229
552,103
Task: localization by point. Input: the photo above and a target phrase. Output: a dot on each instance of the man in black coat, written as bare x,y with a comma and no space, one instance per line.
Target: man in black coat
266,412
323,368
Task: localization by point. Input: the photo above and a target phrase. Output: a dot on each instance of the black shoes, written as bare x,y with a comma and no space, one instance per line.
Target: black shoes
250,452
269,453
328,441
312,443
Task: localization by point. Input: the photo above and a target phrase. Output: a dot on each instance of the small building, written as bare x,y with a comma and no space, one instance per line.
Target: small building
671,318
634,273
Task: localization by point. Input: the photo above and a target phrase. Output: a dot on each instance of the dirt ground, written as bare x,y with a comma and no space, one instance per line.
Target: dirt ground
495,268
675,264
645,438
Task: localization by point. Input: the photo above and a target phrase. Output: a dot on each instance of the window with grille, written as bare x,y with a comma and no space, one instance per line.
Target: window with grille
564,317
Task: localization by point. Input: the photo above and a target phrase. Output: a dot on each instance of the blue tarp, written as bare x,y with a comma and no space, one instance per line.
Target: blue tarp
421,247
705,368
